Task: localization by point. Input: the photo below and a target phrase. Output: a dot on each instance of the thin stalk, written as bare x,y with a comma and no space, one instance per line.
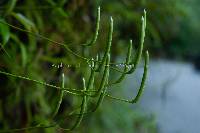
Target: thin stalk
128,58
67,90
108,47
60,96
104,78
135,62
95,36
92,74
83,108
102,95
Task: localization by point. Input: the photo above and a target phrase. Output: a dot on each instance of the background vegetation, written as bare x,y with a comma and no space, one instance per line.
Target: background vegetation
172,32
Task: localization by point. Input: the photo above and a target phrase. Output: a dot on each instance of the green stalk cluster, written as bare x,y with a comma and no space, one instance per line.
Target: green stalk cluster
97,66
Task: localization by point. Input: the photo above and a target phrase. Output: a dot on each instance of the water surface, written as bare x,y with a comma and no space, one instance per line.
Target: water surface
172,94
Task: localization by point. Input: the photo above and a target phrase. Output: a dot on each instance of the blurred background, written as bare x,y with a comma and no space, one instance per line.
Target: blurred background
170,103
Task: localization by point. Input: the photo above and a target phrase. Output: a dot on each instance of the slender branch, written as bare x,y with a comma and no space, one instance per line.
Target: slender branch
95,36
60,96
142,84
108,47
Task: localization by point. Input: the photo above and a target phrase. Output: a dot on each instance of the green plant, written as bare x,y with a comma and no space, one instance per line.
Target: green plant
88,90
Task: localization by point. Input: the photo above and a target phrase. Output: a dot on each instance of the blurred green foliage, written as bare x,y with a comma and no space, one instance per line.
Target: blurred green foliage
172,31
172,26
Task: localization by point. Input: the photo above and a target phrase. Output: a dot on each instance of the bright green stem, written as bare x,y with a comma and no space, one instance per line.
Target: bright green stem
126,67
108,47
105,76
136,61
67,90
60,97
90,84
83,109
95,36
144,77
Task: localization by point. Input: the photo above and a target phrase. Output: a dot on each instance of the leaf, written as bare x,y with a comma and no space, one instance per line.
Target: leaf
4,33
28,24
